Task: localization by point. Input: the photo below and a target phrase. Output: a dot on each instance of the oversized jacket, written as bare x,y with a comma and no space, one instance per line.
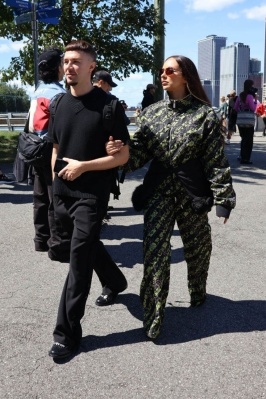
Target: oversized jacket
184,141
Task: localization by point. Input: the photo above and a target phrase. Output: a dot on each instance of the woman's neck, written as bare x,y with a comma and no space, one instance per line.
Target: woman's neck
178,95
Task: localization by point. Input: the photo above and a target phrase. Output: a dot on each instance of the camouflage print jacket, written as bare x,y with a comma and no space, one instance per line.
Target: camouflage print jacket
183,139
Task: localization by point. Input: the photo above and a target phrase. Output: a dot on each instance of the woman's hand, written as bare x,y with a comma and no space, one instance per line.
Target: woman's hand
113,146
72,170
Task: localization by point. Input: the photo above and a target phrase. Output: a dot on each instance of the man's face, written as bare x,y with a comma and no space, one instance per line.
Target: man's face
105,86
78,67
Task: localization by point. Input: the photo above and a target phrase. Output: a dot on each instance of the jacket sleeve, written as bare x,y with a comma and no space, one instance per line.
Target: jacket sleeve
217,169
139,153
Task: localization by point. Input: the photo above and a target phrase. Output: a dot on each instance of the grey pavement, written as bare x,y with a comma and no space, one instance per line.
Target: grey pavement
217,351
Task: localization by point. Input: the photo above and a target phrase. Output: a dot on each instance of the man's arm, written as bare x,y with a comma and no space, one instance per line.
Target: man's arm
75,168
53,159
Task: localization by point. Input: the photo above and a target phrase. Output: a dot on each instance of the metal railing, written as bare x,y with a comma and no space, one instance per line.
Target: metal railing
12,121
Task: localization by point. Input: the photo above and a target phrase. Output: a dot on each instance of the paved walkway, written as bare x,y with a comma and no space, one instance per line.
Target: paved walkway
217,351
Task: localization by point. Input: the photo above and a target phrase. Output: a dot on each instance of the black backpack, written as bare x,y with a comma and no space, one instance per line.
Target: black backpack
108,122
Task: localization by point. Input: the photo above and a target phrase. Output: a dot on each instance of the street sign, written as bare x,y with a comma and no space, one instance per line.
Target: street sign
22,4
23,18
49,16
45,4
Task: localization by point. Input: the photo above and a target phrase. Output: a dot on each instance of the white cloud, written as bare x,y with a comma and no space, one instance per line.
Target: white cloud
209,5
257,13
8,46
233,15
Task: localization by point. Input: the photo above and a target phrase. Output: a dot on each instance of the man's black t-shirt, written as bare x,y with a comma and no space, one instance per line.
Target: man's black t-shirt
79,131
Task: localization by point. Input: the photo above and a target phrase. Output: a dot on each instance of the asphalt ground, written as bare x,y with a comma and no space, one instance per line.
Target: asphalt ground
217,351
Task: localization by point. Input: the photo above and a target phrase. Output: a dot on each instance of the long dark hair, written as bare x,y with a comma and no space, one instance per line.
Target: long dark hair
190,73
247,86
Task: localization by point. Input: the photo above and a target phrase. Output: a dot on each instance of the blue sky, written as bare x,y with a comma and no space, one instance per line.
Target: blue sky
187,22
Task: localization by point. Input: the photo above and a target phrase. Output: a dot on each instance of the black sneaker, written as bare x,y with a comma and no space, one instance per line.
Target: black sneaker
60,351
107,296
6,180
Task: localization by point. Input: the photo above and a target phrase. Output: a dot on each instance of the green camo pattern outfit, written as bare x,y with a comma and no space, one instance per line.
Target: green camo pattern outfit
172,134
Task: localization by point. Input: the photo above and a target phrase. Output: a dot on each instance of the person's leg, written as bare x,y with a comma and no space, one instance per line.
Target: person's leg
40,210
111,278
59,240
246,144
158,228
195,232
108,272
87,217
264,129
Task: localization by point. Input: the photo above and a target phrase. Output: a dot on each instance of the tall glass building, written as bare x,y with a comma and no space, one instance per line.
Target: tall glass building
209,64
235,68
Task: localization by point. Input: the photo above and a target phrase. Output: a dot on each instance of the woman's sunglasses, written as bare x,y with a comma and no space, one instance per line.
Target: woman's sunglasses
168,71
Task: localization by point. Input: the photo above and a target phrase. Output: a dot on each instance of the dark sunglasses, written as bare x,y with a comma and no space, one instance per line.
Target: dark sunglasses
168,71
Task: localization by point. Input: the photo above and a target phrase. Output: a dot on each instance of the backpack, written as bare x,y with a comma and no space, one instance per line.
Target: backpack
108,123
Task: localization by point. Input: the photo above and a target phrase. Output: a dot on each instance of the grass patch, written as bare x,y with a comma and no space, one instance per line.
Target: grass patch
8,146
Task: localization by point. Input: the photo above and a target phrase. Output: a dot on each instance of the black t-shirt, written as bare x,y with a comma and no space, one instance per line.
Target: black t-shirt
78,129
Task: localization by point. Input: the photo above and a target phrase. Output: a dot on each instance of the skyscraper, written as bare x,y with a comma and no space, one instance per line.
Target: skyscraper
209,64
234,69
264,69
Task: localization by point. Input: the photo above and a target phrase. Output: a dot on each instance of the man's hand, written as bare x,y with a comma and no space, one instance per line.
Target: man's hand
113,146
72,170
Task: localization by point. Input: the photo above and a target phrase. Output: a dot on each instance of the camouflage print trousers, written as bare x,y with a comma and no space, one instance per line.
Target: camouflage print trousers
163,210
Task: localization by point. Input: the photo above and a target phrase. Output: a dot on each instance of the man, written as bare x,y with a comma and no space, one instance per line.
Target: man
231,115
47,237
104,80
124,105
82,188
148,96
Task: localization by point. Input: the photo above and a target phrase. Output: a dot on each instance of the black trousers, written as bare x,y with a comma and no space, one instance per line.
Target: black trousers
82,220
246,134
48,230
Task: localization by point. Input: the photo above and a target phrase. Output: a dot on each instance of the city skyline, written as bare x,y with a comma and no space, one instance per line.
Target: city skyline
188,21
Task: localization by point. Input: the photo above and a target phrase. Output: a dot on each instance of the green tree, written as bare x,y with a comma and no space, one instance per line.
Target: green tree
13,99
121,30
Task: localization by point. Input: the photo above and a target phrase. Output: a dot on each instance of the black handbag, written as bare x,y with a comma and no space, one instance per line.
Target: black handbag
31,147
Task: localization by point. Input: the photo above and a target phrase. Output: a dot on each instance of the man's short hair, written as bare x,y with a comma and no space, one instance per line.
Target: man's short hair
82,45
105,76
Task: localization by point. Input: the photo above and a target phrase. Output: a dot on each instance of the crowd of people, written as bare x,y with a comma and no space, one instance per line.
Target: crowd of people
234,105
180,136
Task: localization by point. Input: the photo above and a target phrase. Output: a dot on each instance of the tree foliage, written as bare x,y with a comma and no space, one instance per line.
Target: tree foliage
13,99
121,30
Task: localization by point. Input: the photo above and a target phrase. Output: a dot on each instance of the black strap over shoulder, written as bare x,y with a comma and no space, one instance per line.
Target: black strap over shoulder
55,101
109,112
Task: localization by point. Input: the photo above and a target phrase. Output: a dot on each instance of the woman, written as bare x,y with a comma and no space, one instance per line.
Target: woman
47,231
246,101
187,174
